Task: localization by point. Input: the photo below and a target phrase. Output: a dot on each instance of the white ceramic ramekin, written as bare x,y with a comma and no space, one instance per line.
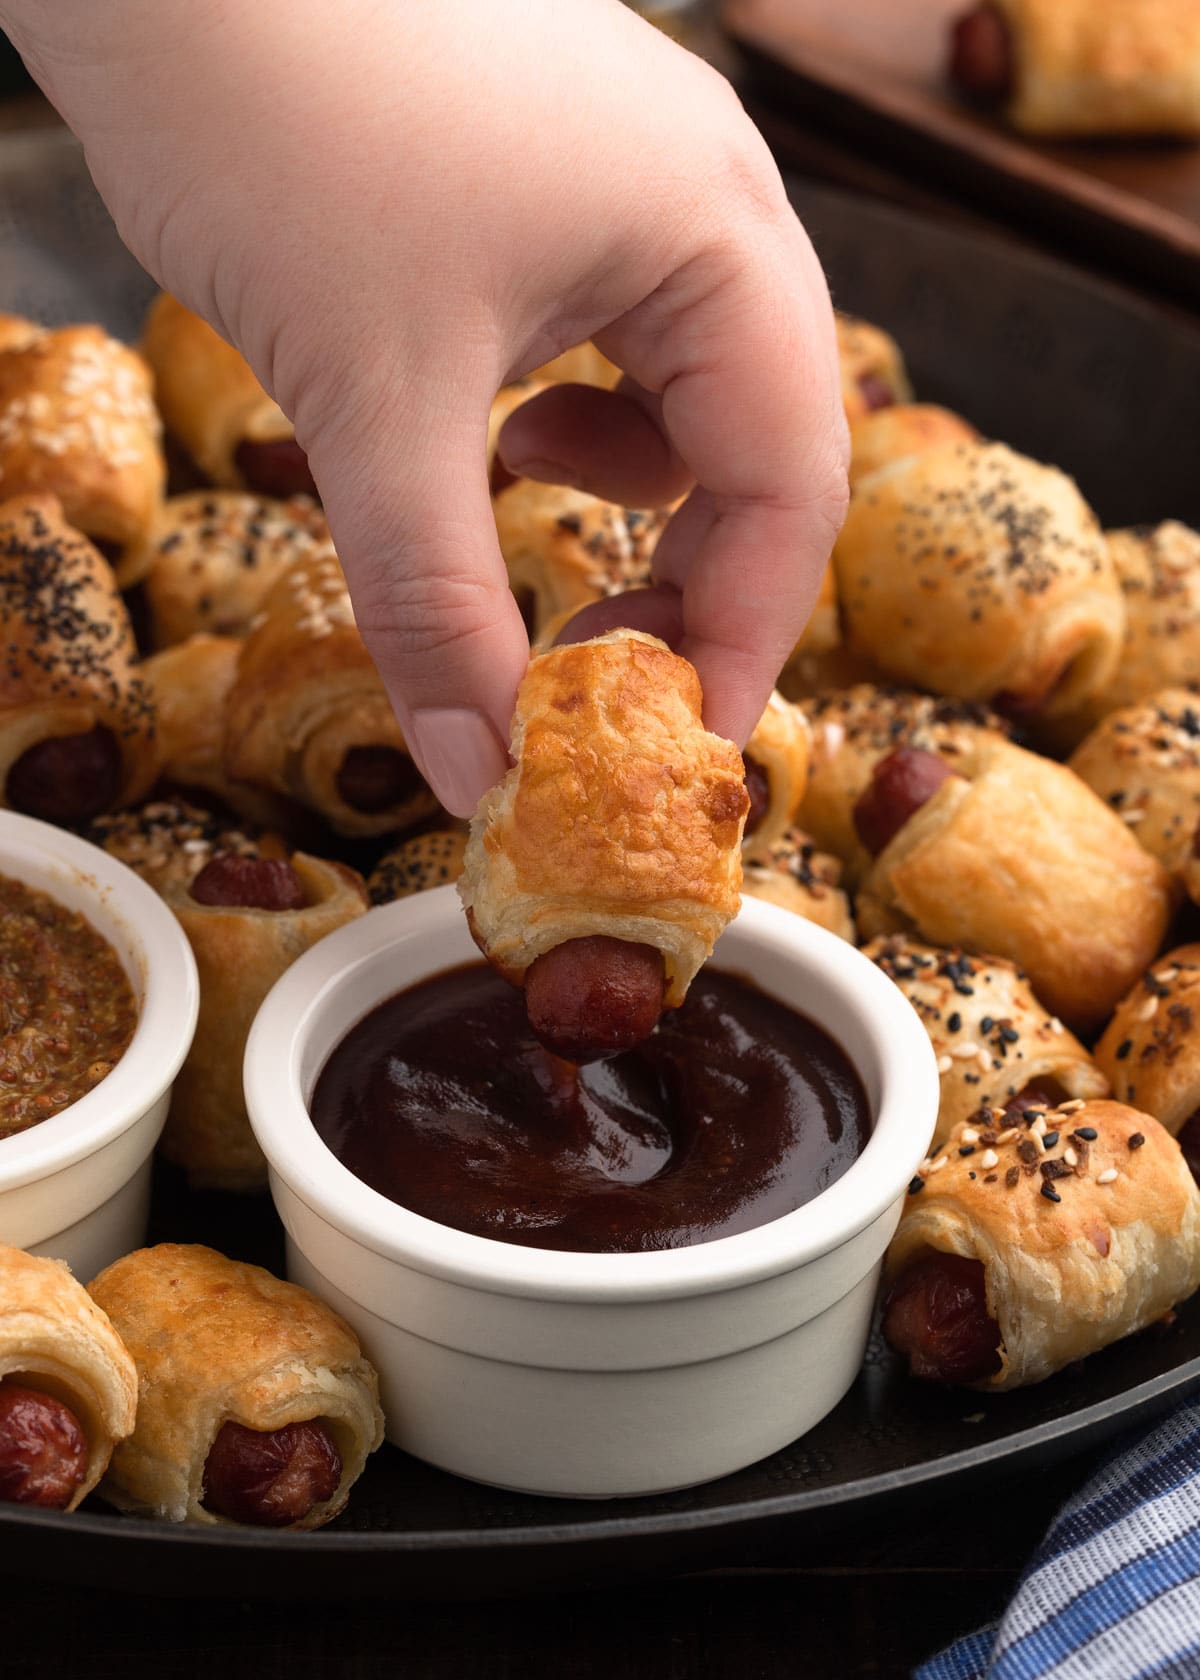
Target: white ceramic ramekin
592,1374
77,1186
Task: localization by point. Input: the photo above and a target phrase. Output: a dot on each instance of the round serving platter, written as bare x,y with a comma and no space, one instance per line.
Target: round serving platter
1062,367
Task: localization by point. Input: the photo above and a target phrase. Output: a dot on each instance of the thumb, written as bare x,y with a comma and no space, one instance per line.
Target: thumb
414,530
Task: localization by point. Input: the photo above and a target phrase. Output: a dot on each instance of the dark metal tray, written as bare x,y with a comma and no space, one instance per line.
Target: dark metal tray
1059,365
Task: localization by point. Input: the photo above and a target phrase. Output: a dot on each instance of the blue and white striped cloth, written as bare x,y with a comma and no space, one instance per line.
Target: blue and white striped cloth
1113,1591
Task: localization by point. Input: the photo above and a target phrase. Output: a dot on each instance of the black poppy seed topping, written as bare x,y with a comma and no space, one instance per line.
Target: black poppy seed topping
1123,1049
953,1022
915,1184
1049,1140
967,1149
49,595
1085,1134
1050,1193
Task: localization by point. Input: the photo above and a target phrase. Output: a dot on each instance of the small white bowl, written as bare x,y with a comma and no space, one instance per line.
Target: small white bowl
592,1375
77,1186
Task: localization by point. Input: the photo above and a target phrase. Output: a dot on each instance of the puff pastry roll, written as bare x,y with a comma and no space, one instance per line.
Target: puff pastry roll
853,729
1038,1243
68,1388
1144,761
1150,1050
1158,570
996,1046
564,548
247,919
190,685
872,367
979,573
214,555
901,431
776,760
168,841
78,421
583,364
426,860
255,1404
77,722
16,332
602,869
1083,67
308,715
793,874
215,408
1013,855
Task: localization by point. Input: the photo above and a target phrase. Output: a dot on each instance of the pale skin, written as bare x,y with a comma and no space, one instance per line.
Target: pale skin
391,207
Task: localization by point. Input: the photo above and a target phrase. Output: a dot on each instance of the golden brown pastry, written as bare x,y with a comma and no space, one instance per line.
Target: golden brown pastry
873,372
852,729
1158,569
1144,761
996,1046
976,572
564,548
77,722
899,432
1064,68
218,1343
822,636
77,421
308,715
215,554
1013,855
213,406
583,364
168,841
793,874
427,860
621,821
16,332
58,1355
247,920
1062,1236
776,760
1151,1048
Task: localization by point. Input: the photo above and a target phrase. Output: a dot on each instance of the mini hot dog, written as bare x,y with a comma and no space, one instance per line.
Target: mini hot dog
255,1404
615,841
68,1387
1083,67
247,919
77,721
1024,1246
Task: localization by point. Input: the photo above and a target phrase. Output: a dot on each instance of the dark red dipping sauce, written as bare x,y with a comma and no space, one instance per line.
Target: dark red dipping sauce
735,1111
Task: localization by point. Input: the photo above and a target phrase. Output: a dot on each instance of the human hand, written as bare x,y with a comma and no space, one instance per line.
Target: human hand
391,208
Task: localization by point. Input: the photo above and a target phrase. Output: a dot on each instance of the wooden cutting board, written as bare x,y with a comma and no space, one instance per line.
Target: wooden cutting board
874,70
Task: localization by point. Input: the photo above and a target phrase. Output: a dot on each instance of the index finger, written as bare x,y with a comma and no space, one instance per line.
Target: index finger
740,345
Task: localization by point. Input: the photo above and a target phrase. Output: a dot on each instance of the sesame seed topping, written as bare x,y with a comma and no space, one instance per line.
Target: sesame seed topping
1107,1176
945,1063
989,1159
1147,1011
964,1051
1070,1157
936,1166
1072,1107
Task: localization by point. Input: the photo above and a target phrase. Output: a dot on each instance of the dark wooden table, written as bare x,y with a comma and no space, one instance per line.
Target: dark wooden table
873,1604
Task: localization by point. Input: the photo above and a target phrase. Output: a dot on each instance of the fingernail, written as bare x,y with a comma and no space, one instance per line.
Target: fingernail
459,753
545,472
